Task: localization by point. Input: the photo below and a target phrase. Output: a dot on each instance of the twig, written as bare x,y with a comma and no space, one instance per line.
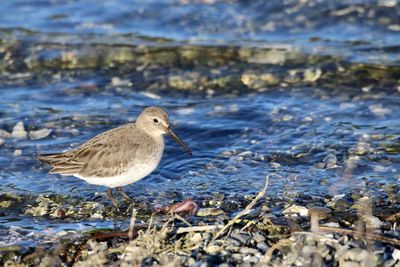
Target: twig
177,216
202,228
278,246
132,224
375,237
246,210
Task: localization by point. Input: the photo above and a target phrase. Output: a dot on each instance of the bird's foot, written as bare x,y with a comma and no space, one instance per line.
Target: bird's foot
123,194
113,200
188,205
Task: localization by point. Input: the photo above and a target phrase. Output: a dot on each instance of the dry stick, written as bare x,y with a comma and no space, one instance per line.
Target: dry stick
177,216
202,228
246,210
132,224
374,237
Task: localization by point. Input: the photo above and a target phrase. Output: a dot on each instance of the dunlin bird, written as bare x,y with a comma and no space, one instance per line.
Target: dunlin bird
120,156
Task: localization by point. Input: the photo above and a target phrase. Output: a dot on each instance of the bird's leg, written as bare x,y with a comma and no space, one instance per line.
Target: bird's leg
121,191
111,197
188,205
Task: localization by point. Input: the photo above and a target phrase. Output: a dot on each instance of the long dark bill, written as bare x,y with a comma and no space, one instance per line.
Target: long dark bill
178,140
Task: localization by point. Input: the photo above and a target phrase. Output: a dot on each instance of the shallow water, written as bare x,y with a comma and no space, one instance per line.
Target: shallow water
306,91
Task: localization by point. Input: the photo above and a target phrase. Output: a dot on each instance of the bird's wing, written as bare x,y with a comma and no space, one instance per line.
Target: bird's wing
106,155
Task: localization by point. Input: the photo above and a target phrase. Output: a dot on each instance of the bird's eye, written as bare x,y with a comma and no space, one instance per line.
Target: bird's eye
155,120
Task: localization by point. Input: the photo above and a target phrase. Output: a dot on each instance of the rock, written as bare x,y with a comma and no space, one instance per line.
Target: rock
262,246
2,141
5,204
258,237
247,250
205,212
373,221
379,110
213,249
17,153
321,212
116,81
342,204
241,237
196,238
39,134
396,254
295,209
19,132
4,134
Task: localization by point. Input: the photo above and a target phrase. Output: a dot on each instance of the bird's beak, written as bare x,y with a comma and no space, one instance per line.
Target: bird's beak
178,140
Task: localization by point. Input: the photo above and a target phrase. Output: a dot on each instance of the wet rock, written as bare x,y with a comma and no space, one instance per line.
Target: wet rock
17,153
262,246
205,212
19,132
118,82
295,209
213,249
379,110
242,237
256,80
312,74
396,254
39,134
4,134
5,204
258,237
358,256
2,141
342,204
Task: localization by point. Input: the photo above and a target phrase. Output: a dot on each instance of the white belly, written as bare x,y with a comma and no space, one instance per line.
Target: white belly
132,175
140,168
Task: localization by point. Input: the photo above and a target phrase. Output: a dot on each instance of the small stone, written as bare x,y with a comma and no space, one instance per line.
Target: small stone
4,134
373,221
241,237
295,209
17,153
258,237
321,212
39,134
262,246
19,131
116,81
342,204
196,238
396,254
191,261
312,75
247,250
379,110
2,141
205,212
5,204
213,249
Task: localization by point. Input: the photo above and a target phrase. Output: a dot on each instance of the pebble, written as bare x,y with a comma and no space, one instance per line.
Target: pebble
247,250
17,153
39,134
262,246
241,237
4,134
258,237
2,141
295,209
19,131
396,254
205,212
213,249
